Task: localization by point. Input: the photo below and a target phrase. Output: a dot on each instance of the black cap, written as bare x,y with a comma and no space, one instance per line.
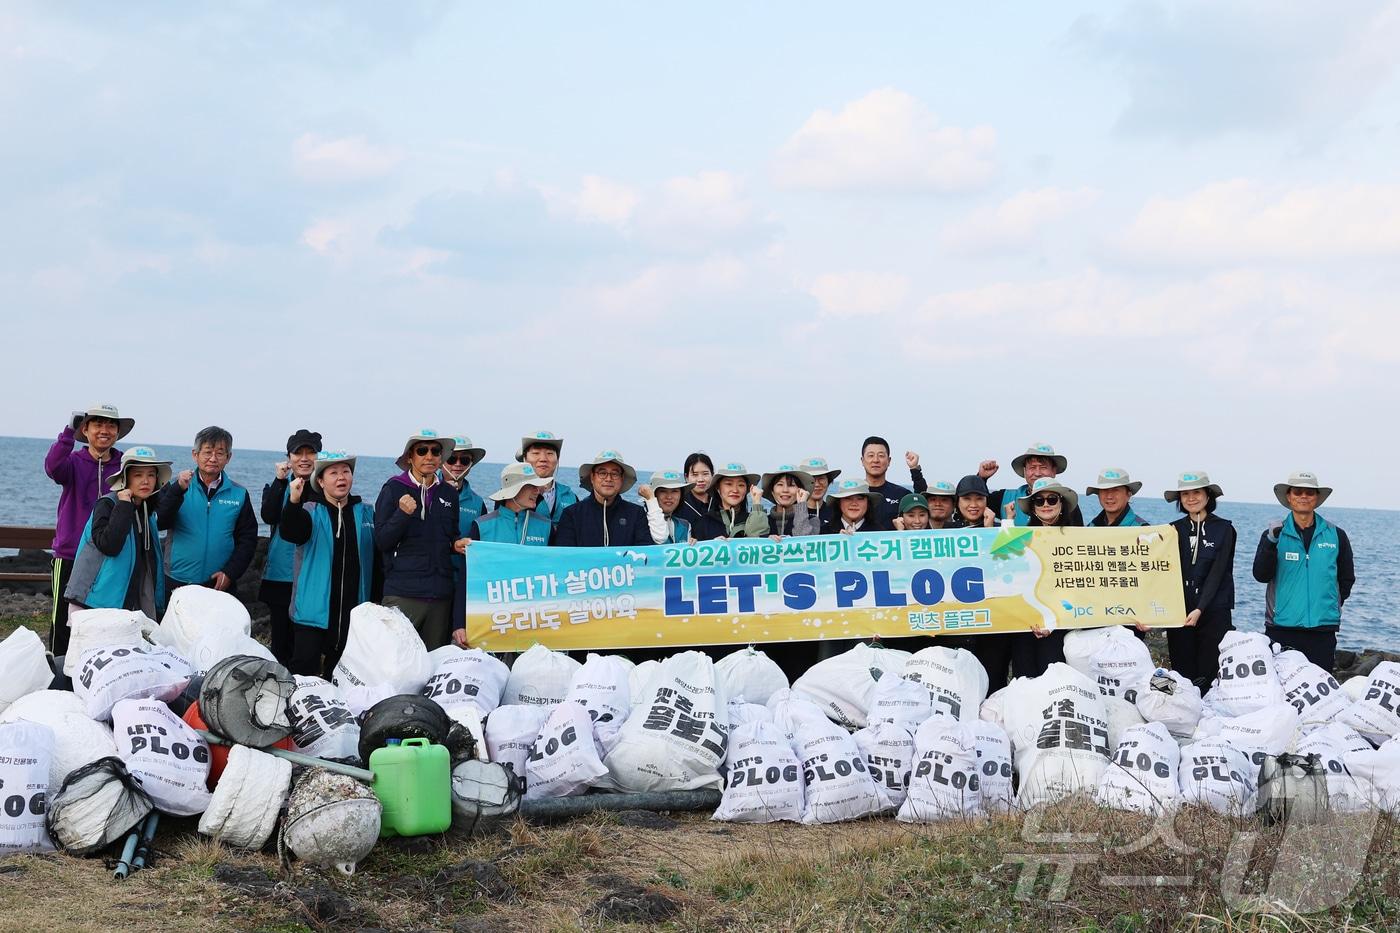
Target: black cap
304,438
973,484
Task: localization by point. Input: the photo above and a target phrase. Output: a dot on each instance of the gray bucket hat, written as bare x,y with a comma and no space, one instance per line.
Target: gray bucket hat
585,472
857,487
1039,450
515,477
804,479
733,469
326,459
817,466
1112,478
941,487
124,425
463,444
139,456
427,435
1192,479
1301,479
1049,484
544,438
668,479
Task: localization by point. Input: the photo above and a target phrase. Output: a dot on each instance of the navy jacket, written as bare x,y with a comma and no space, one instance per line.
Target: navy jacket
587,523
1207,563
416,550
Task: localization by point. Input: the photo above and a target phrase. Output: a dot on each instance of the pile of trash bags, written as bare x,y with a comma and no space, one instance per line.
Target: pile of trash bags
873,730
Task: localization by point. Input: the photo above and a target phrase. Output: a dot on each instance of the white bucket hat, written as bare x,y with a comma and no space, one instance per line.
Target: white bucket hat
585,472
668,479
124,425
461,443
1039,450
804,479
329,458
817,466
1112,478
139,456
1301,479
425,435
847,489
515,477
1193,479
545,438
733,469
1049,484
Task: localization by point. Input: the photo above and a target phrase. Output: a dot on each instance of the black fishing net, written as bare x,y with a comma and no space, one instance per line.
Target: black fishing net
98,804
244,700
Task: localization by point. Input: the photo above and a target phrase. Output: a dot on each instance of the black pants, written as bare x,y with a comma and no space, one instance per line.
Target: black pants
58,617
1030,656
316,651
1320,645
1195,651
278,597
993,651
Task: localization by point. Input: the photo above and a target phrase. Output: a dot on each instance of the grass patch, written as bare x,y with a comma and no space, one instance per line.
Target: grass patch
38,623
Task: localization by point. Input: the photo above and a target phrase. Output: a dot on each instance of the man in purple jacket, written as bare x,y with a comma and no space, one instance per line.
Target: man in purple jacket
82,474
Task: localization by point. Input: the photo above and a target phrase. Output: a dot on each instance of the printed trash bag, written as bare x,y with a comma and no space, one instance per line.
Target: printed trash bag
169,760
955,679
764,783
539,677
1377,714
511,731
1122,716
100,628
466,676
1112,657
741,712
903,702
1377,772
1262,733
98,804
602,687
1142,775
787,708
1172,700
77,740
1247,679
1058,725
836,784
888,748
564,760
384,656
24,666
994,767
1313,692
322,725
674,738
946,782
1215,774
751,674
26,753
842,685
128,672
218,644
1332,743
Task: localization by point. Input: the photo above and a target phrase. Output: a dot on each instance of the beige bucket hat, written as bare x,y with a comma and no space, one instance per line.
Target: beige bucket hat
425,435
1112,478
817,466
545,438
463,444
1193,479
1039,450
326,459
1049,484
124,425
857,487
515,477
585,472
804,479
139,456
1301,479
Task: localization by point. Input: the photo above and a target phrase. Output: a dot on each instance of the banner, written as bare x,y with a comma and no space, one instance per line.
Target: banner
742,591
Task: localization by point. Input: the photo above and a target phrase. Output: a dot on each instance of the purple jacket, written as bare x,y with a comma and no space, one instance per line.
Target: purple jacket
77,472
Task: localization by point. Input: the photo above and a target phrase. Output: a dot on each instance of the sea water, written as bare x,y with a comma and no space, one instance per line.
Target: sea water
1369,620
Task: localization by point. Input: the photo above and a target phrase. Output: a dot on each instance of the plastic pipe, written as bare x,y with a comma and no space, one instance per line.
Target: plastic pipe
559,807
297,758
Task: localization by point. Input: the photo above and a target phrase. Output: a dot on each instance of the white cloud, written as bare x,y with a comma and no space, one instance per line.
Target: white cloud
348,158
602,200
887,141
326,237
857,294
658,288
1243,220
1016,221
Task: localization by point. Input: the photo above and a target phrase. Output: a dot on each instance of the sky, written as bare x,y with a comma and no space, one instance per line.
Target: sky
1157,235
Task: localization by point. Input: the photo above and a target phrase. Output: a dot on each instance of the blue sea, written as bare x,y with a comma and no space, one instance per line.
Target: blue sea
1371,618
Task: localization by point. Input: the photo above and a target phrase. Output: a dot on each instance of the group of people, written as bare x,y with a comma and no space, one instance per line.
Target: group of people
330,550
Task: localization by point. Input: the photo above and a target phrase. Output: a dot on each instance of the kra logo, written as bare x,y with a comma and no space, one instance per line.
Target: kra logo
1119,611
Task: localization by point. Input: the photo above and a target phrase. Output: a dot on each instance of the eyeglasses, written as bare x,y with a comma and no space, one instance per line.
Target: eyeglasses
426,450
608,474
1047,499
458,459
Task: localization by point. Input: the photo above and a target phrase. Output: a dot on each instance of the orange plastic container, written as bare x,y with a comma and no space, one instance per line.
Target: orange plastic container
218,754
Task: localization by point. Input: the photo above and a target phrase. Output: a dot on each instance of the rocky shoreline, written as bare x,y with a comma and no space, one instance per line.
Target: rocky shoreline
25,599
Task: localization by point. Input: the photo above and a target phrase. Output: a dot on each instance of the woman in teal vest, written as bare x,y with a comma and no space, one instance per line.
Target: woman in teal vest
1307,563
119,563
333,569
663,496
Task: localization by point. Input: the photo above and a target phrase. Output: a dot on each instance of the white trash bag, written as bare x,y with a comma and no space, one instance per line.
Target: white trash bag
101,628
888,748
196,611
564,760
1261,734
111,674
1217,775
466,676
511,732
1332,743
764,781
1354,688
946,782
384,657
1058,726
539,677
1112,657
169,759
1247,679
1313,692
252,791
1377,773
842,685
788,708
955,679
24,666
1142,776
1173,701
216,644
674,738
602,687
1377,714
26,753
1122,716
322,724
639,678
994,767
78,740
741,712
836,785
903,702
751,674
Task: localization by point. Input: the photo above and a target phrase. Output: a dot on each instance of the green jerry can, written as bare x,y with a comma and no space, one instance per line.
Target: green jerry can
413,781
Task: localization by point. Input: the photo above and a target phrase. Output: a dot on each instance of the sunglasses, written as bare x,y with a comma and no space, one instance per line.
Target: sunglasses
1048,499
425,450
458,459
